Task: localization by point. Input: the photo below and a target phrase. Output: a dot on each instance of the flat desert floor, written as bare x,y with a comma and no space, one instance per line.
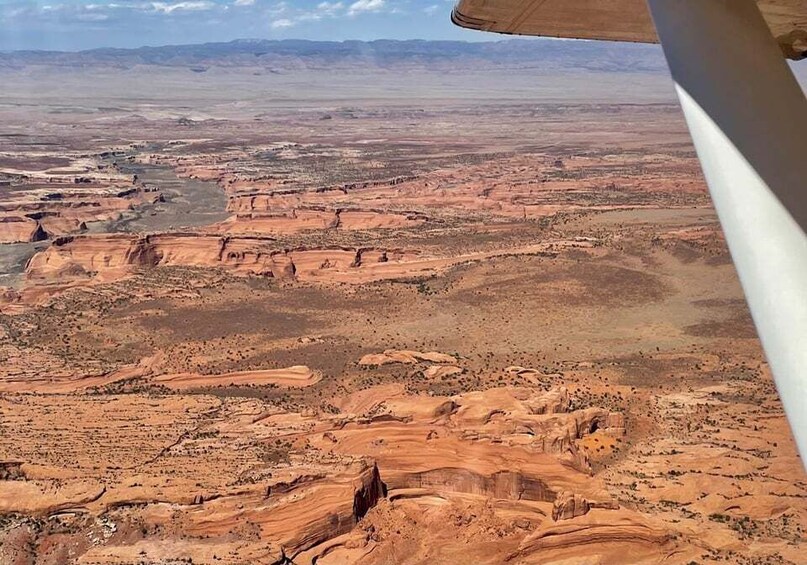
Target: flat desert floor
387,321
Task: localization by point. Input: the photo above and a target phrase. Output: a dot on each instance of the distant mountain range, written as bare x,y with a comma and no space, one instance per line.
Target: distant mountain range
289,55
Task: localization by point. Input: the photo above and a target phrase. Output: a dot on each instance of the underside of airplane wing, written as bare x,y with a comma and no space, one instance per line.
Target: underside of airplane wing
616,20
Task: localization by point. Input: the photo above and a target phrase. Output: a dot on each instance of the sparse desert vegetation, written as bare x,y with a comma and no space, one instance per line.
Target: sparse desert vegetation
375,326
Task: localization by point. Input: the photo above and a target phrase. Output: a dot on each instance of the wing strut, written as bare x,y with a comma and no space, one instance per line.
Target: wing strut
748,120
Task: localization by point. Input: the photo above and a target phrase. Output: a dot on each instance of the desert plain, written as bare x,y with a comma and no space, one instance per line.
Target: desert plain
433,309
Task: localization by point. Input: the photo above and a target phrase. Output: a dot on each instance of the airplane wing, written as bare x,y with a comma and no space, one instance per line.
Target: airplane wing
616,20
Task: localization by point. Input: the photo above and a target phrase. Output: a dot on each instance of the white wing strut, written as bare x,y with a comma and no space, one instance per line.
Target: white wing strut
748,120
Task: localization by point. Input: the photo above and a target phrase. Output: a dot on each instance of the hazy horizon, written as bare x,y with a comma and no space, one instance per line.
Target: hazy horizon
486,38
72,25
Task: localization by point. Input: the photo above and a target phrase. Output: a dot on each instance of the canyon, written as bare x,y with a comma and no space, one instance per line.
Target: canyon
481,320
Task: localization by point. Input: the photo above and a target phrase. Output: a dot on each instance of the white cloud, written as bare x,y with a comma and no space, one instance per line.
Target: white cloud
92,17
329,9
431,10
282,24
69,13
168,8
292,17
361,6
278,9
321,11
244,3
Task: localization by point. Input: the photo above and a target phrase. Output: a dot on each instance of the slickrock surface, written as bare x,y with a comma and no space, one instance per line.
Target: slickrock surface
346,326
407,357
297,376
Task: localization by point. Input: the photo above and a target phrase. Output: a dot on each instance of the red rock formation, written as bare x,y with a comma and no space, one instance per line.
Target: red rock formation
391,356
569,505
19,229
296,376
598,527
110,254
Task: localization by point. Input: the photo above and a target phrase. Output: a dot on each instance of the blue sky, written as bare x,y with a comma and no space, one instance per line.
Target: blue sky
84,24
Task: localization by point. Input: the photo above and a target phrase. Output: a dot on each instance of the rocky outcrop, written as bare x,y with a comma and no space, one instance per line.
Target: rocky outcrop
109,254
371,489
437,372
614,424
314,218
391,356
569,505
44,204
103,258
21,229
490,444
543,420
295,376
502,484
632,532
314,512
